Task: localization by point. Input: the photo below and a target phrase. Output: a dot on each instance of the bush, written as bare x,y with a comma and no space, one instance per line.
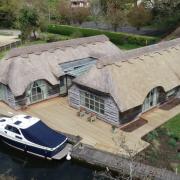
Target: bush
178,156
116,37
76,34
48,37
172,142
152,135
174,136
162,131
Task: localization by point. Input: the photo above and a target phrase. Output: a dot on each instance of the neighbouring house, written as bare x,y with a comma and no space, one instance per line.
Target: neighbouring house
38,72
119,88
80,3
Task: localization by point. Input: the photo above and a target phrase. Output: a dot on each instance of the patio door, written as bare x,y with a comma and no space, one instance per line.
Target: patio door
151,100
38,91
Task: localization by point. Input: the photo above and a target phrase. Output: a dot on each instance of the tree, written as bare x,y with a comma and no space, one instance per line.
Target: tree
95,10
131,158
29,22
64,11
116,13
8,12
80,14
139,16
166,13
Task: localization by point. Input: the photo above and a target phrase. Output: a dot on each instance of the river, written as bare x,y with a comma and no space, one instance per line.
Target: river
22,166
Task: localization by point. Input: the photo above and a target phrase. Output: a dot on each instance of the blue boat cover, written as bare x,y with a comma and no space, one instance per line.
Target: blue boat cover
41,134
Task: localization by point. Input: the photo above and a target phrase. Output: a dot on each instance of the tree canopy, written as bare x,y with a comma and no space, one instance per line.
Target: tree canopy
28,22
164,13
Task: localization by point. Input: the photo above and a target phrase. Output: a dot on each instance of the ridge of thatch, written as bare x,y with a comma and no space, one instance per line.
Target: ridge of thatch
136,53
28,64
129,77
51,47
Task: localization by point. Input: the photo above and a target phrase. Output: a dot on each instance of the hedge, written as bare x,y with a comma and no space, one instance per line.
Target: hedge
118,38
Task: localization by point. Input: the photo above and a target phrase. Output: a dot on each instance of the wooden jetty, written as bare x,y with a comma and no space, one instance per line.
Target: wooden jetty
119,164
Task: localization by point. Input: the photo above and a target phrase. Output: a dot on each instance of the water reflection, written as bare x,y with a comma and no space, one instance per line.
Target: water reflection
24,167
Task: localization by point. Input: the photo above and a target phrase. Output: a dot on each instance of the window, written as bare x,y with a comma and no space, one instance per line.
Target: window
17,122
2,120
38,91
92,102
12,129
78,67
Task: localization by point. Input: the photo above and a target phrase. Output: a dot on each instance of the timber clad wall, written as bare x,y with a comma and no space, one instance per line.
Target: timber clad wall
111,112
74,96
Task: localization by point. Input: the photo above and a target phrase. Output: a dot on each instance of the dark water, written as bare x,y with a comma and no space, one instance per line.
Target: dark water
25,167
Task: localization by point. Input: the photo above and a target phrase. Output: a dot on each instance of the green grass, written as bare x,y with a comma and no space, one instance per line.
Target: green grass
2,54
173,125
29,43
178,168
129,46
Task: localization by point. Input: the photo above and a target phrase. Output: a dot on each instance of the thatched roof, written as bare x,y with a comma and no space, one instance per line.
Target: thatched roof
23,66
128,78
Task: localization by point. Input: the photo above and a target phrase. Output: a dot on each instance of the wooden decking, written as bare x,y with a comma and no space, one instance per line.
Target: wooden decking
60,116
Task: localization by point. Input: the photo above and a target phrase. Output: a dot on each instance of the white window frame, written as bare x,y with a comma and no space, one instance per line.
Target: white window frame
92,102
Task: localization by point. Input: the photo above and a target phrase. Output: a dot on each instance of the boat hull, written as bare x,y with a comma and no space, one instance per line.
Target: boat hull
31,149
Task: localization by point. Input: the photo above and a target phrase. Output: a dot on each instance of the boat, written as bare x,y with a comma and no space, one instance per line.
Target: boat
30,134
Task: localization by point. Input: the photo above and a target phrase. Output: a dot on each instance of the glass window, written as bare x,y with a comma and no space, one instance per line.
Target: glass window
8,127
15,130
92,102
12,129
38,91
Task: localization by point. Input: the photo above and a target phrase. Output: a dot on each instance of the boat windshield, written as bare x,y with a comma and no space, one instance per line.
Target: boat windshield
41,134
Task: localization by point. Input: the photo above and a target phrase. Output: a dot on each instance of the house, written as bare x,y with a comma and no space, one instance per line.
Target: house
39,72
80,3
98,77
119,88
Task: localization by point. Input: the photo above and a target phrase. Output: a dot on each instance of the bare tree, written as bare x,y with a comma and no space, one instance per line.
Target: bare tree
80,14
131,156
139,16
95,10
115,14
64,11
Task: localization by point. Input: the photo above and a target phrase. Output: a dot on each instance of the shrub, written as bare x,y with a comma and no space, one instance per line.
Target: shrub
178,156
172,142
115,37
173,135
152,135
162,131
76,34
48,37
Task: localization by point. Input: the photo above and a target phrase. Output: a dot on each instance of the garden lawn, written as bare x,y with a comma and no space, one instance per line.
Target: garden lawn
2,54
129,46
173,125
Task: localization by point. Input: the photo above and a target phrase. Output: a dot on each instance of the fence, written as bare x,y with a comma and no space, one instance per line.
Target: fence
11,45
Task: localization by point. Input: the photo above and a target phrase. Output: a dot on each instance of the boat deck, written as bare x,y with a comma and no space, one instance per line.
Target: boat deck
63,152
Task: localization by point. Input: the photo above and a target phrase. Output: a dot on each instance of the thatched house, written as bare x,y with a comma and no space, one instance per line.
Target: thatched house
38,72
119,88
